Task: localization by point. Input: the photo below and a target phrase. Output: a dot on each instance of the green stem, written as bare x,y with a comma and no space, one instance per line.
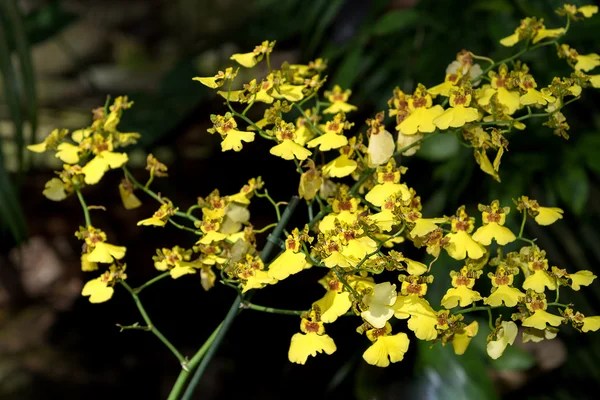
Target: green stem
490,324
212,347
523,223
531,242
151,326
266,228
138,289
556,304
185,228
517,55
184,374
266,194
86,211
154,195
209,348
271,310
478,308
192,208
307,120
149,182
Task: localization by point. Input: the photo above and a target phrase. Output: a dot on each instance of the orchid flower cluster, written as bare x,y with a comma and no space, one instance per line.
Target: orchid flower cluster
367,216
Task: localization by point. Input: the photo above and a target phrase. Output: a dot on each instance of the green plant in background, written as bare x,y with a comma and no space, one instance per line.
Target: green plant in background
19,90
357,232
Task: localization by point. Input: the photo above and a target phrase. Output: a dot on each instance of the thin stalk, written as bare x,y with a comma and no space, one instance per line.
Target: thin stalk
138,289
151,326
86,211
208,349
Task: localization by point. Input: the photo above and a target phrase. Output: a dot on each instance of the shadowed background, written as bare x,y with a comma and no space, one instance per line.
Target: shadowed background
60,59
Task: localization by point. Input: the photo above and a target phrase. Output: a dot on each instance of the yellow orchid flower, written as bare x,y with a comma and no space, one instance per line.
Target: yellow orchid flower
386,347
336,301
581,278
461,242
388,183
461,293
422,113
313,340
539,279
338,99
459,112
504,335
493,218
463,337
291,261
502,290
536,304
105,160
379,303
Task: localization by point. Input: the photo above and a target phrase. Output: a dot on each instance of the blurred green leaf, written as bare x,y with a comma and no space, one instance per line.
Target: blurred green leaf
11,86
513,359
444,375
395,21
11,213
46,21
328,15
24,56
441,148
493,6
589,148
573,187
349,69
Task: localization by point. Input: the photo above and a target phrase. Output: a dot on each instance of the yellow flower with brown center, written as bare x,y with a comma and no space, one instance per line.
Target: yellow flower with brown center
252,58
451,82
287,148
411,304
338,99
218,80
333,138
343,165
386,347
422,113
531,28
494,217
586,324
175,260
96,248
461,242
232,137
462,293
533,96
101,289
311,341
161,216
344,207
336,301
502,289
459,112
502,88
291,261
539,317
539,279
388,183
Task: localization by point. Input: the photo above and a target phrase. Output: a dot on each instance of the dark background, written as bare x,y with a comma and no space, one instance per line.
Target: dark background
68,55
